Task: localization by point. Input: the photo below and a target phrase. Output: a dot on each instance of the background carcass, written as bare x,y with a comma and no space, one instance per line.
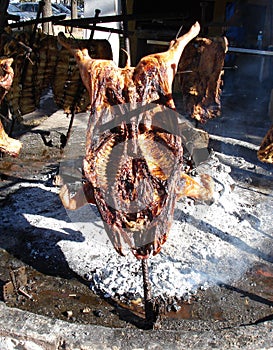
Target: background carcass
7,144
201,69
46,65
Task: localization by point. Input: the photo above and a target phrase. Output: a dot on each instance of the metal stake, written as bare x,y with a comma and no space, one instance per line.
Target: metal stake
149,305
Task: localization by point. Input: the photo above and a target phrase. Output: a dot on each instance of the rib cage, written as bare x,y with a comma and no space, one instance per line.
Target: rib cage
134,169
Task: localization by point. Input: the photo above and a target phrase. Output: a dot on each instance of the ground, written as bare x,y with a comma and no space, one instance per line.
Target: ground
222,253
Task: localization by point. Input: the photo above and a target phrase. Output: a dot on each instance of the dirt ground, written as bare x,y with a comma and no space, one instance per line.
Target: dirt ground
50,287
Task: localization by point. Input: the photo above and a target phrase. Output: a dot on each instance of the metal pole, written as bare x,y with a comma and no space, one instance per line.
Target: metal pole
150,314
97,13
146,281
125,29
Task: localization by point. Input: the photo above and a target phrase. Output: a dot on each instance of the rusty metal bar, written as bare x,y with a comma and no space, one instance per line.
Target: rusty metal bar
52,19
250,51
150,314
146,281
104,29
119,18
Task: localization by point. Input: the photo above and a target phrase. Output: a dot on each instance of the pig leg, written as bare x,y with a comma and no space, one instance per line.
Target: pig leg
83,196
173,55
8,144
191,188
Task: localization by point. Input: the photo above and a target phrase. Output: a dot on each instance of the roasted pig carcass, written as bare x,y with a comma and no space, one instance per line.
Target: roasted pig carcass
7,144
133,165
68,89
200,74
265,152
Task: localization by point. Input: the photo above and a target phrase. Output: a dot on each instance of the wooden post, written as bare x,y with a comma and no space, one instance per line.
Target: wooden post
74,11
46,9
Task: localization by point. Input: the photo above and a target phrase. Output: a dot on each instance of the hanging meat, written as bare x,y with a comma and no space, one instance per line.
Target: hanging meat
47,65
200,75
133,165
7,144
265,152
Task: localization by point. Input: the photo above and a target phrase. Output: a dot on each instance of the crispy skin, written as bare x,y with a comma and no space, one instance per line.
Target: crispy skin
265,152
7,144
132,167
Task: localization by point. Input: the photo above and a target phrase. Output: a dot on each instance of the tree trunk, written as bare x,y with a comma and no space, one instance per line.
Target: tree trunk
47,12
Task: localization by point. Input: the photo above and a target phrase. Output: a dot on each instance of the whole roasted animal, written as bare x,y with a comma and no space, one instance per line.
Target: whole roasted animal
200,75
133,165
7,144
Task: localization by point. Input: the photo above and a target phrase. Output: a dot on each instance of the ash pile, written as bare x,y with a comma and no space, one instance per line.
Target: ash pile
206,244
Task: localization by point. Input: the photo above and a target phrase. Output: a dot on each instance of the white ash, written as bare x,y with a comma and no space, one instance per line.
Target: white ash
207,244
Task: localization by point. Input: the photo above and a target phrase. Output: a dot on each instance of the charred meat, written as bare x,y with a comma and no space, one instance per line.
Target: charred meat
133,166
